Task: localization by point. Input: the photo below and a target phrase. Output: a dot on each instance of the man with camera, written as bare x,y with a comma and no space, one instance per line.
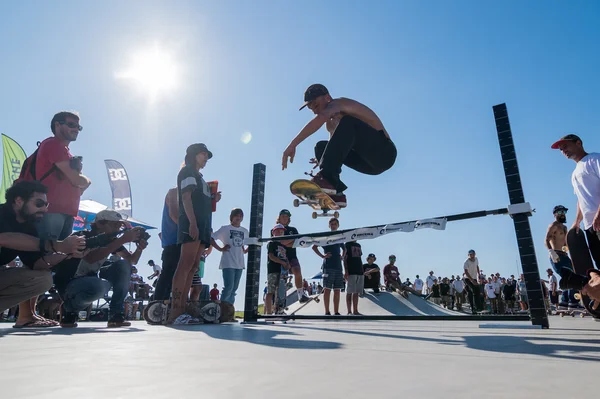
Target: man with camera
95,276
26,204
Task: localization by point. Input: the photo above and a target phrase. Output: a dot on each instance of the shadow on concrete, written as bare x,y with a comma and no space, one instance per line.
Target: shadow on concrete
552,347
24,332
255,334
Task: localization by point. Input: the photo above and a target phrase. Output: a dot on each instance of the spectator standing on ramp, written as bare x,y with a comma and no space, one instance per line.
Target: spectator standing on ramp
586,184
333,275
418,285
284,219
277,256
194,227
459,286
354,274
472,273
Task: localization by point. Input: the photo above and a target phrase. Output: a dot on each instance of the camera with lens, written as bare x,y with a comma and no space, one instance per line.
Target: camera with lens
76,163
143,236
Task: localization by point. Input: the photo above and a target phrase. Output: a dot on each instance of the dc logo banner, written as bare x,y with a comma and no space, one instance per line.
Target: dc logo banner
117,174
119,185
122,204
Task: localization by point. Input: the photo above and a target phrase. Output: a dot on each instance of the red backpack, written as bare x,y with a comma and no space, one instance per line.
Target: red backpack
28,170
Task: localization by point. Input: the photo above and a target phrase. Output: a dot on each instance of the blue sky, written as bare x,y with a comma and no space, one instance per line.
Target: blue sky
431,70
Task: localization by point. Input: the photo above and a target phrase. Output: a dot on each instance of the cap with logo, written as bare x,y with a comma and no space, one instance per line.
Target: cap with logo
371,256
569,137
313,92
285,212
559,208
197,148
109,215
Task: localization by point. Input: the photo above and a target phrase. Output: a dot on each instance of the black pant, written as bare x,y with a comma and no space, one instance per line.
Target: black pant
594,244
170,259
358,146
373,282
474,296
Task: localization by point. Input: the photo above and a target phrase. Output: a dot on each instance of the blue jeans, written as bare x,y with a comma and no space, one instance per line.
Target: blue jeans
83,291
564,263
55,226
231,281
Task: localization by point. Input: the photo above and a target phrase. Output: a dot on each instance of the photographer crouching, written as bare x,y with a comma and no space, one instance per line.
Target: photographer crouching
95,276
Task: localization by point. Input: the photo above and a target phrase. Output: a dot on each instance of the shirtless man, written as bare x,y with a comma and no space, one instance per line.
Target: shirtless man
556,242
360,140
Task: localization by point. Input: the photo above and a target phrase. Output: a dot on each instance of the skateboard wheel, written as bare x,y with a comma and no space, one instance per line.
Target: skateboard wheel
296,203
336,214
562,315
314,215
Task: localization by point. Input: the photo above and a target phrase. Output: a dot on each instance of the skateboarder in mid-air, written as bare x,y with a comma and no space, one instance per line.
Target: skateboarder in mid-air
357,139
556,242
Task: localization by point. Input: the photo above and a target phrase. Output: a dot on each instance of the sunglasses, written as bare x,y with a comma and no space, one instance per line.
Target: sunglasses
561,212
72,125
40,203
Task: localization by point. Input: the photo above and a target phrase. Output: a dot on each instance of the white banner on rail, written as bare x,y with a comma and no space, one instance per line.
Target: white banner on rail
370,233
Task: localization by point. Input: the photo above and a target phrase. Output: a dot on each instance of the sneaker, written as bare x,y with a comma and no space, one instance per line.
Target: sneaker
324,184
118,320
337,314
575,306
562,306
339,199
304,299
68,319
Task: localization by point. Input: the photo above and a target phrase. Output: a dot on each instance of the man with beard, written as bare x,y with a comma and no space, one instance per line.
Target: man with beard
26,204
556,242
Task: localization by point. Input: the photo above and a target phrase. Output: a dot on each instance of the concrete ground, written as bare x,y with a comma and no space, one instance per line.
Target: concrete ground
336,359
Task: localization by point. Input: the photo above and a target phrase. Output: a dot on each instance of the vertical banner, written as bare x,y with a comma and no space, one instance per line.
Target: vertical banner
119,185
13,158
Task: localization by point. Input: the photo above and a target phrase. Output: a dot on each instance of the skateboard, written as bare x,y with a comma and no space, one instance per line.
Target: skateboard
310,299
310,194
157,312
582,262
572,312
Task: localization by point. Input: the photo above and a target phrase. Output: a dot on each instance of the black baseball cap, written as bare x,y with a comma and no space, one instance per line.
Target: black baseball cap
285,212
150,262
559,208
371,256
313,91
569,137
197,148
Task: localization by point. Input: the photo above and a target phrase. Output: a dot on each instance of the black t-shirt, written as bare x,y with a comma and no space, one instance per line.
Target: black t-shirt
291,252
9,224
435,291
509,291
335,261
278,250
445,289
190,180
354,259
367,267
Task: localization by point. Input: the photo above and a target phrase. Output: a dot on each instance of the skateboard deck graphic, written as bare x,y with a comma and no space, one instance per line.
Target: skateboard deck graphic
310,194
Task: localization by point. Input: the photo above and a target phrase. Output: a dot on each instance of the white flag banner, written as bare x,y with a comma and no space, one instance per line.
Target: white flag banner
369,233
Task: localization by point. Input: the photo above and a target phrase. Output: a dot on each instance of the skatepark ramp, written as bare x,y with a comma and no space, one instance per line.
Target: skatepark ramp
382,304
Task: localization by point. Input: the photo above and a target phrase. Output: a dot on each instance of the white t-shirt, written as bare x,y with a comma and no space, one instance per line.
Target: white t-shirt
471,267
489,290
234,236
586,184
497,287
458,285
552,282
430,281
156,268
418,284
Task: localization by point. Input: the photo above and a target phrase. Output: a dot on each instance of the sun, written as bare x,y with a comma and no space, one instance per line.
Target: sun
153,70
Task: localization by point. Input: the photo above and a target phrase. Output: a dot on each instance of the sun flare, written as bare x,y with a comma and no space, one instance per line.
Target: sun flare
153,70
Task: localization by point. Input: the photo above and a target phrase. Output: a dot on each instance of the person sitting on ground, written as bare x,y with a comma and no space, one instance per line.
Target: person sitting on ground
372,274
354,275
277,261
94,278
333,275
360,140
407,283
26,204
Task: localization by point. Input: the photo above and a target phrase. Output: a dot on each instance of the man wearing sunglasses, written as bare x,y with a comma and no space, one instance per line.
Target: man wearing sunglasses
556,242
26,204
56,167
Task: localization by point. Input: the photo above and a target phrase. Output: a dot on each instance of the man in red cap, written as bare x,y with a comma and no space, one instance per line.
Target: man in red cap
586,183
357,139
